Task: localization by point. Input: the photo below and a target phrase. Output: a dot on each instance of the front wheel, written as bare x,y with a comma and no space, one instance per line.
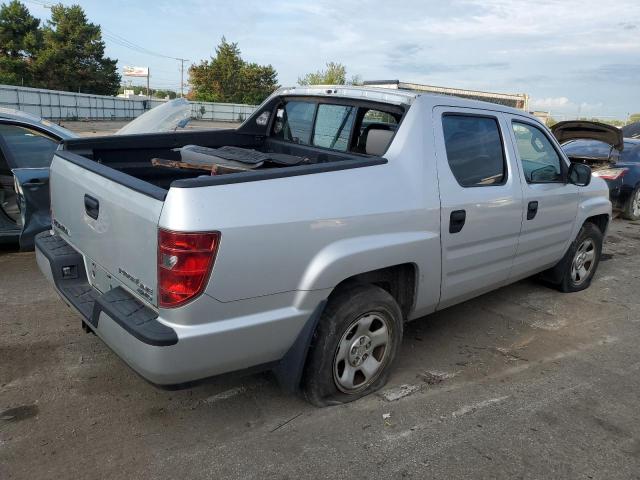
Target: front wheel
354,346
581,261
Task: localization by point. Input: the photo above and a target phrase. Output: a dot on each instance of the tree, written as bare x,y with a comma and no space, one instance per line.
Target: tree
164,93
72,55
228,78
20,39
335,74
141,90
634,117
257,83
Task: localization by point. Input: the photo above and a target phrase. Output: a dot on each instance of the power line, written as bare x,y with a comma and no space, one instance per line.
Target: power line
123,42
120,40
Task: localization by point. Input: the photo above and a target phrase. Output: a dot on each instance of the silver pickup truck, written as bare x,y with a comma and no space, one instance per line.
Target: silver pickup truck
348,212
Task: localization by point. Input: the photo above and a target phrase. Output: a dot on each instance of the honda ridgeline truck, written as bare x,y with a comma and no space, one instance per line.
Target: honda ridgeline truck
357,210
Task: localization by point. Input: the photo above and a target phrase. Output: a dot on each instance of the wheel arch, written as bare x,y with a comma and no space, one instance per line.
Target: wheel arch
601,221
400,281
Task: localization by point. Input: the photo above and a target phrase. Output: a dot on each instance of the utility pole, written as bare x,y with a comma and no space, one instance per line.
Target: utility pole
182,60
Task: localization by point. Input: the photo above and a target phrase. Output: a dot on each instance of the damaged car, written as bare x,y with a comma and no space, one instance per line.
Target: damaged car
27,144
612,157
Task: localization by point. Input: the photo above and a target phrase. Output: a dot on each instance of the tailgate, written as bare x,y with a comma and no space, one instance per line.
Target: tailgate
113,225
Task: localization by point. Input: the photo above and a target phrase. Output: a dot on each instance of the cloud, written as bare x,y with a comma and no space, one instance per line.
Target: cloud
436,68
549,103
564,105
628,25
613,72
575,49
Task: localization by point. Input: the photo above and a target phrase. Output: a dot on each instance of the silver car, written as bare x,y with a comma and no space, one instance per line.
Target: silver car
303,240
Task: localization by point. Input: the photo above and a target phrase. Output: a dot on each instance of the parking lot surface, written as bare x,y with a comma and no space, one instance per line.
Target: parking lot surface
524,382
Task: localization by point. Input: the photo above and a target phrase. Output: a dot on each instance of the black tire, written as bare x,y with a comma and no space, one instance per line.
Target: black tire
346,312
563,271
630,210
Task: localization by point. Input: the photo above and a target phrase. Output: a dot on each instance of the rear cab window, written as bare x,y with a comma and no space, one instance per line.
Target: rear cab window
333,126
336,126
294,122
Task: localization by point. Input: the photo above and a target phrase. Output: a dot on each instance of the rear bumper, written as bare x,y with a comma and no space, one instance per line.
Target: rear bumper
165,352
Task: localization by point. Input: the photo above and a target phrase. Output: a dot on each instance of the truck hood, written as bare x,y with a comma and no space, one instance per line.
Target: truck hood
585,130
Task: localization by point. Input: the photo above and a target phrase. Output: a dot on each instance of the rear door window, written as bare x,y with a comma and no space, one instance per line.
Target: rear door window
474,150
27,147
333,126
294,122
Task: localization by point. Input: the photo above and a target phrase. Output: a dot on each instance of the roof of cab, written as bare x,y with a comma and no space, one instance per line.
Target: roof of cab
30,119
396,97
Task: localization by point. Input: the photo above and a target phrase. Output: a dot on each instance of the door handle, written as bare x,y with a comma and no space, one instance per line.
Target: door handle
34,182
532,210
456,220
91,206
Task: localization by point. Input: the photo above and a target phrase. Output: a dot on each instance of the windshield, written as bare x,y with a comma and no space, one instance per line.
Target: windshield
165,118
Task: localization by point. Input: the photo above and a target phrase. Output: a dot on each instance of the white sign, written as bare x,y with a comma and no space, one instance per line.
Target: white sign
135,71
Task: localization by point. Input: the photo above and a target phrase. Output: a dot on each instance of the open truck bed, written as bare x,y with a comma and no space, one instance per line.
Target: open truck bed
129,160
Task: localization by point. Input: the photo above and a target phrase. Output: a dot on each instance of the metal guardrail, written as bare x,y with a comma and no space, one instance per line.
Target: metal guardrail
60,105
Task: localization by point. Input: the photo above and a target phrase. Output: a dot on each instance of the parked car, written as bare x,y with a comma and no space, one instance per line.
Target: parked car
613,158
310,259
27,143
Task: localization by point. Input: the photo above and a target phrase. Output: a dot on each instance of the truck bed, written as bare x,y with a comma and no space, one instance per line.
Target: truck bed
132,155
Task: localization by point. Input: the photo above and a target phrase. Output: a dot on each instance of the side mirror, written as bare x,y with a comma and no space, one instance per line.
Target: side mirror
580,174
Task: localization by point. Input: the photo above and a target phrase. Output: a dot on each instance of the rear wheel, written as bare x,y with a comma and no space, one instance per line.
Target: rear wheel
354,346
632,206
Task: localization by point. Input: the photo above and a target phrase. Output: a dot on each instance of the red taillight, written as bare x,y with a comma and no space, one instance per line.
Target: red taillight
610,173
184,264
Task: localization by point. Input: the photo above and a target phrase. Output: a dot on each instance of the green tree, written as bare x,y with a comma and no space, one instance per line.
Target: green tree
258,82
164,94
226,77
72,56
634,117
20,39
335,74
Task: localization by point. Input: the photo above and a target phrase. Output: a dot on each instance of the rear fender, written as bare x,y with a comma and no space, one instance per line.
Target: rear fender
349,257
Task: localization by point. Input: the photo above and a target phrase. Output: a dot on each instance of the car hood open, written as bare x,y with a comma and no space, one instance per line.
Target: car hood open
585,130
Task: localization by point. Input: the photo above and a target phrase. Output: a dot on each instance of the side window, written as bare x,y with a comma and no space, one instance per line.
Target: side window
474,150
377,117
540,161
29,148
333,126
294,122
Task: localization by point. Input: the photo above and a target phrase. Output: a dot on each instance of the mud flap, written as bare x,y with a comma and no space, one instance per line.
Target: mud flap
289,370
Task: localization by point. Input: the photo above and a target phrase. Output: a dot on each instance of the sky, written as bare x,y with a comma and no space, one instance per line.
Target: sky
574,58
